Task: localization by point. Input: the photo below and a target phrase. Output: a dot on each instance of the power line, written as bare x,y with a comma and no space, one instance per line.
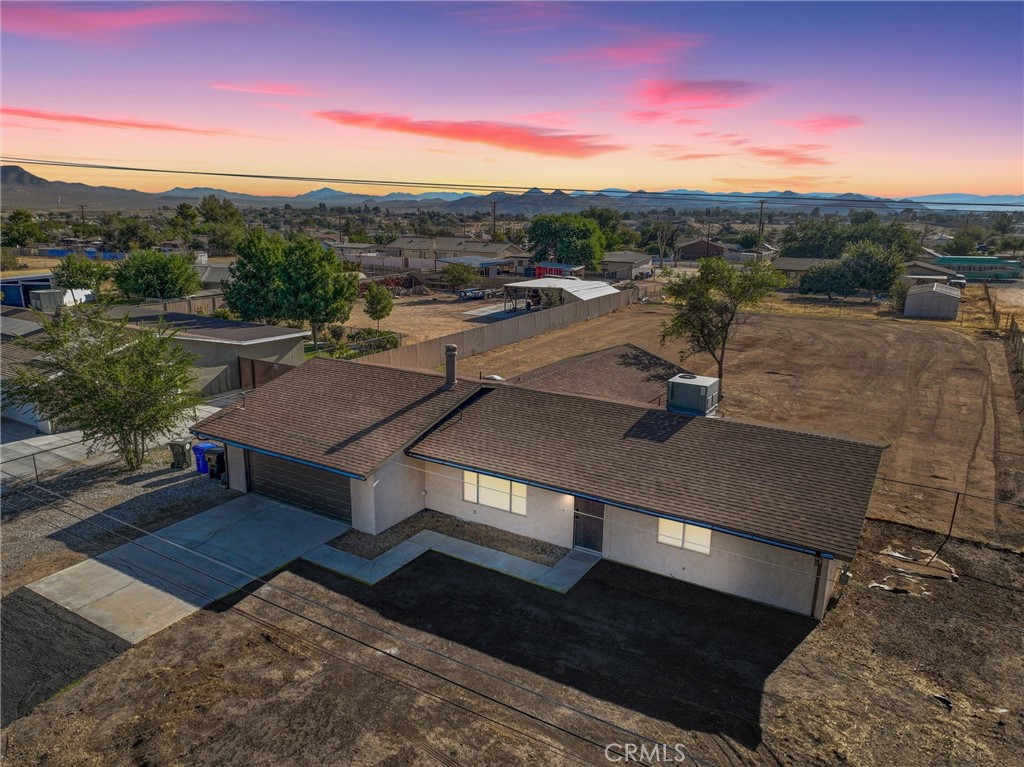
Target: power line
719,197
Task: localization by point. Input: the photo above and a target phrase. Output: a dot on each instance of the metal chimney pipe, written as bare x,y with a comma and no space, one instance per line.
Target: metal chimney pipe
451,353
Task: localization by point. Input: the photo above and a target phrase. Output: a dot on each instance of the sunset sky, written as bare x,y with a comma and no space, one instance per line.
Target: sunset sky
893,99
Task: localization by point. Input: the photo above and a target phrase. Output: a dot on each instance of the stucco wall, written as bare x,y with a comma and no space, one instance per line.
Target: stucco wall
548,515
237,476
735,565
216,365
397,491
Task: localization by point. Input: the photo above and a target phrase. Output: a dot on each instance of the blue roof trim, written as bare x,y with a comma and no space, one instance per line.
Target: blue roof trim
283,457
638,509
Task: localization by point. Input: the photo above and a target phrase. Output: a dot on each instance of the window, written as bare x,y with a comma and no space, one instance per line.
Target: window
494,492
692,537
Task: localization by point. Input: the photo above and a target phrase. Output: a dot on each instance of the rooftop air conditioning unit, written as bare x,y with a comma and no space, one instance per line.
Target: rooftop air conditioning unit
693,395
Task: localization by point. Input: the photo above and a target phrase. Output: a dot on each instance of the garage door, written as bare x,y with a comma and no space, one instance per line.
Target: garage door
302,486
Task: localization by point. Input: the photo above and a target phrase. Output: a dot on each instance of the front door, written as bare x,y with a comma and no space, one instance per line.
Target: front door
588,525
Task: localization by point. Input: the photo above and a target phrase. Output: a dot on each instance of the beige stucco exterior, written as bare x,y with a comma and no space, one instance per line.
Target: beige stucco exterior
216,364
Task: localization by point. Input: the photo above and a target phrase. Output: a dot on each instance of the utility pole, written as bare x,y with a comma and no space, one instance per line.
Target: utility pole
494,221
760,229
707,241
341,238
82,208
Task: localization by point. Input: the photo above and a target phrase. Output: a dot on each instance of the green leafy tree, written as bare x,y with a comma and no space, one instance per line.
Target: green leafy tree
709,304
153,274
314,287
833,278
379,302
133,234
820,238
120,387
20,229
872,267
964,243
459,276
76,272
254,291
184,222
566,238
223,223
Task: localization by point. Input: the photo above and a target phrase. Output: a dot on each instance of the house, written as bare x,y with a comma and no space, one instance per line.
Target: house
434,248
229,355
212,275
625,372
932,300
702,247
922,272
488,267
625,264
795,268
373,445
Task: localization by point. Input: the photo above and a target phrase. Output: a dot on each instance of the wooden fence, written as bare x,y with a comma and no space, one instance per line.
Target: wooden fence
430,354
202,304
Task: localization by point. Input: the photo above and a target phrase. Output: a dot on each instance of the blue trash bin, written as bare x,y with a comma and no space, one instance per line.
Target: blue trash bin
200,449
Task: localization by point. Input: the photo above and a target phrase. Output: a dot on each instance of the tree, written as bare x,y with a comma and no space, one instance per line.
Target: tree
964,243
459,275
708,304
76,272
379,302
183,223
118,386
567,238
254,291
224,224
832,278
314,287
153,274
665,234
20,229
872,267
133,234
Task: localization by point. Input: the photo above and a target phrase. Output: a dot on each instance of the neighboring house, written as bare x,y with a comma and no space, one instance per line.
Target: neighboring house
625,264
702,247
795,268
923,272
19,323
932,301
450,247
764,513
230,355
345,249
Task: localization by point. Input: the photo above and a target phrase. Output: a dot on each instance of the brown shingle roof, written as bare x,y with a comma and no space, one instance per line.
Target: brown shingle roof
341,415
624,372
793,488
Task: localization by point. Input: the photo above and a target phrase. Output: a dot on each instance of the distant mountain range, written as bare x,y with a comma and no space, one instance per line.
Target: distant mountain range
21,189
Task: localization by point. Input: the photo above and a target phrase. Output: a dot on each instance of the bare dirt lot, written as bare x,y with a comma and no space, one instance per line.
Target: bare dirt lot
443,662
424,317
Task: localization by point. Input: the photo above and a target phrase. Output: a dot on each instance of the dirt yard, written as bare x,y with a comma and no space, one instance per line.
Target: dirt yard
472,667
939,398
423,317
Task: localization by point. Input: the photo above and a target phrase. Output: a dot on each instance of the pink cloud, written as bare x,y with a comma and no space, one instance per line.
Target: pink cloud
658,115
793,154
104,122
824,124
640,52
266,89
698,155
51,20
520,138
697,94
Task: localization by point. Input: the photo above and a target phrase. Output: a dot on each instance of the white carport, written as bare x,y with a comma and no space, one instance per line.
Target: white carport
568,291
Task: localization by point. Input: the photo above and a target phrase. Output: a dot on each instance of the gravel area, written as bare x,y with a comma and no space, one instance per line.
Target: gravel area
38,540
370,546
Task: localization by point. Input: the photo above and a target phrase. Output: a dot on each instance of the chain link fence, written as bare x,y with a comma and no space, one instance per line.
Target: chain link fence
962,515
48,462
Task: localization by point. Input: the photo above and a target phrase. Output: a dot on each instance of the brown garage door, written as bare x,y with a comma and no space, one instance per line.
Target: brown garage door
314,489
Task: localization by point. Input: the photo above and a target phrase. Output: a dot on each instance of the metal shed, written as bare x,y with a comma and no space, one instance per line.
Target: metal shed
932,301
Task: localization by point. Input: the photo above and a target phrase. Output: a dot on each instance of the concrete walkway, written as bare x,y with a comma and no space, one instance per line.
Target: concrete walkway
144,586
561,577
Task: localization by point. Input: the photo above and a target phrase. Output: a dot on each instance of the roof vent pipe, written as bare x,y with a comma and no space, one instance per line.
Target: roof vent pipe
451,353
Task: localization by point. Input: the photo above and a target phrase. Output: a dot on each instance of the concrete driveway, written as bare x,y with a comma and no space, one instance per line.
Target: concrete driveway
144,586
